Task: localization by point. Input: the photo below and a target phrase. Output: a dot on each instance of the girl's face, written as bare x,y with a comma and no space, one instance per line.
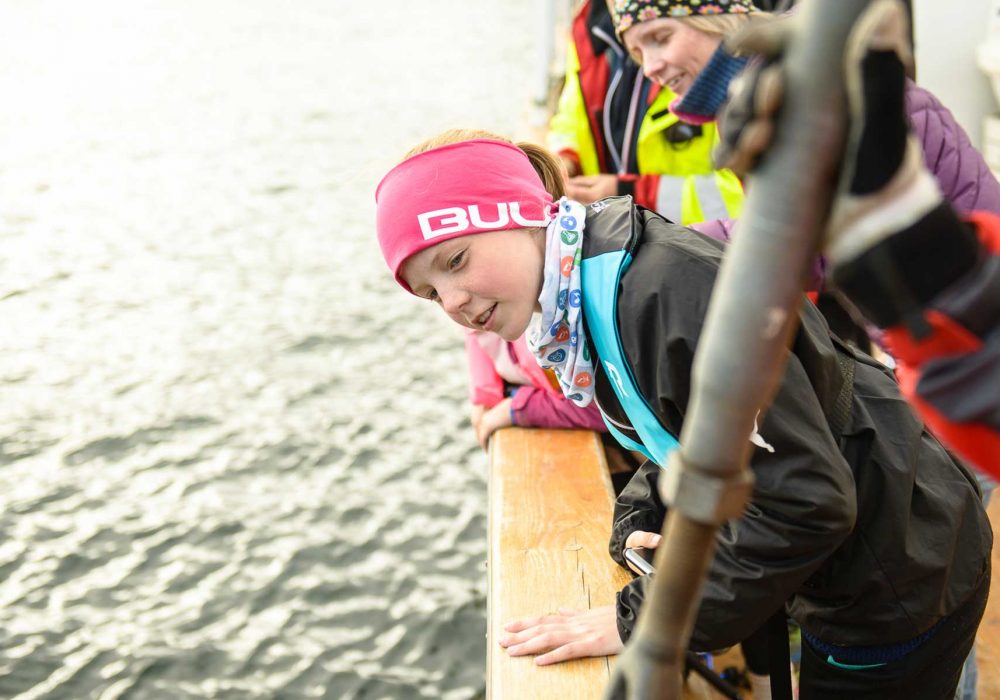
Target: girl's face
485,281
670,52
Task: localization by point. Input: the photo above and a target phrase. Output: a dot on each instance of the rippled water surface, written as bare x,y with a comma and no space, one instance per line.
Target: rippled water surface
234,459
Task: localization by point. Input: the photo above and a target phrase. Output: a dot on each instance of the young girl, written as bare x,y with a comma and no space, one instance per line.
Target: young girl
860,521
507,387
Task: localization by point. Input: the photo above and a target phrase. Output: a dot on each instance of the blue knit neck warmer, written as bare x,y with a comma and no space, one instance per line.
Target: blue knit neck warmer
708,91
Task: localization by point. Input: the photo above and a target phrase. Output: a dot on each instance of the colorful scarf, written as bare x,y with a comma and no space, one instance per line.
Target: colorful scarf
556,336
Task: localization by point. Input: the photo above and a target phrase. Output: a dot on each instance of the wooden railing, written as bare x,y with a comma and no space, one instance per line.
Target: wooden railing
550,502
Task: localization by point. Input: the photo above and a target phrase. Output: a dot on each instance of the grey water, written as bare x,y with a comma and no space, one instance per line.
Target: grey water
234,457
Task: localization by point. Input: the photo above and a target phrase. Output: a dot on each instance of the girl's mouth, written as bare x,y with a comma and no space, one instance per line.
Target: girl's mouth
485,319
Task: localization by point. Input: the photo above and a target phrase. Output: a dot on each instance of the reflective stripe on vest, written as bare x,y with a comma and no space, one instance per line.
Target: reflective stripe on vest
713,206
669,195
688,200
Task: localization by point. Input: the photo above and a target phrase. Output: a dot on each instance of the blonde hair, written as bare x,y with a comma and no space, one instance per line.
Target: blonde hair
723,25
544,163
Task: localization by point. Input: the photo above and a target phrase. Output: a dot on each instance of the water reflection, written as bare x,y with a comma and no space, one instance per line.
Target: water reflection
234,460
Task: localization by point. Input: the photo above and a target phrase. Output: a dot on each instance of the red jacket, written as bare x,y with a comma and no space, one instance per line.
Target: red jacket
952,377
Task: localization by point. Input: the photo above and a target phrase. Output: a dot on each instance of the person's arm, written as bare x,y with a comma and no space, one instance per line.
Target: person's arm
966,181
539,408
530,407
718,229
638,507
485,385
628,604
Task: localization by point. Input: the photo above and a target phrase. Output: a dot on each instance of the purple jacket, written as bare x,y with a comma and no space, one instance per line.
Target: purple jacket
963,176
965,179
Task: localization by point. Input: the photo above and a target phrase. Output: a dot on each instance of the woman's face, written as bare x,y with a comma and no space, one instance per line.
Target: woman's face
671,52
485,281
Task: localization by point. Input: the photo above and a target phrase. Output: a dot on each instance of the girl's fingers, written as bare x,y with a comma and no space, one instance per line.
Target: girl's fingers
544,630
642,538
756,137
770,91
513,639
529,622
752,143
553,638
484,431
566,652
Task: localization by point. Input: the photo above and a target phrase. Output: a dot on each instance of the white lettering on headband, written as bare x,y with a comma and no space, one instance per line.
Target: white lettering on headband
456,219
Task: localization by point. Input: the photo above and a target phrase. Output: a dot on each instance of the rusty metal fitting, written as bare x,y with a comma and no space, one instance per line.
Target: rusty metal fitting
705,497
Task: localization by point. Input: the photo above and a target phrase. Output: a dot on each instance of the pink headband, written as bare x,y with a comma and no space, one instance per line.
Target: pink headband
456,190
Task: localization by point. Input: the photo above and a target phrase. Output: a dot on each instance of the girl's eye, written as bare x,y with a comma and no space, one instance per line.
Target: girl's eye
456,261
432,295
661,39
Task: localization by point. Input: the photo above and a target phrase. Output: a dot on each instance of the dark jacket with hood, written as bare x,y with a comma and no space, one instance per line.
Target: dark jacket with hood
871,535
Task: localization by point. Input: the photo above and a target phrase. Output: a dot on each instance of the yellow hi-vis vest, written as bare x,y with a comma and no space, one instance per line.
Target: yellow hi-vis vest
675,179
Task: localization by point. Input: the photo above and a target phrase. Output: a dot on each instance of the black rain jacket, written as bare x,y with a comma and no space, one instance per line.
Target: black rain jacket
869,536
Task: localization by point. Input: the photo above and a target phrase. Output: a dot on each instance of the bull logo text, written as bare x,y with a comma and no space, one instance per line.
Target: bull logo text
456,219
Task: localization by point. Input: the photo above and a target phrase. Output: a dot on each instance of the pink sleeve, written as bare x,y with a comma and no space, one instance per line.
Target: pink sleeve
538,408
719,229
485,385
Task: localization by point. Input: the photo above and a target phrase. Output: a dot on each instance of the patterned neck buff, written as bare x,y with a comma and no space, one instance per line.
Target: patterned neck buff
556,336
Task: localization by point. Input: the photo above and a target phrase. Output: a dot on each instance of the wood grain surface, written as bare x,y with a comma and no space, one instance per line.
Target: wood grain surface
550,519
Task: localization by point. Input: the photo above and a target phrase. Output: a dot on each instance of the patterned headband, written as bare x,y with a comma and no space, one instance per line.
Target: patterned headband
629,12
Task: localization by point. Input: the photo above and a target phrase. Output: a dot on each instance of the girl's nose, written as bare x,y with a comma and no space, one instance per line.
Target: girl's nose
453,299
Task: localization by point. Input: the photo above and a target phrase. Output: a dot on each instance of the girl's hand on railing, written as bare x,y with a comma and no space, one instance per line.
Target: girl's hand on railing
572,634
476,415
492,420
